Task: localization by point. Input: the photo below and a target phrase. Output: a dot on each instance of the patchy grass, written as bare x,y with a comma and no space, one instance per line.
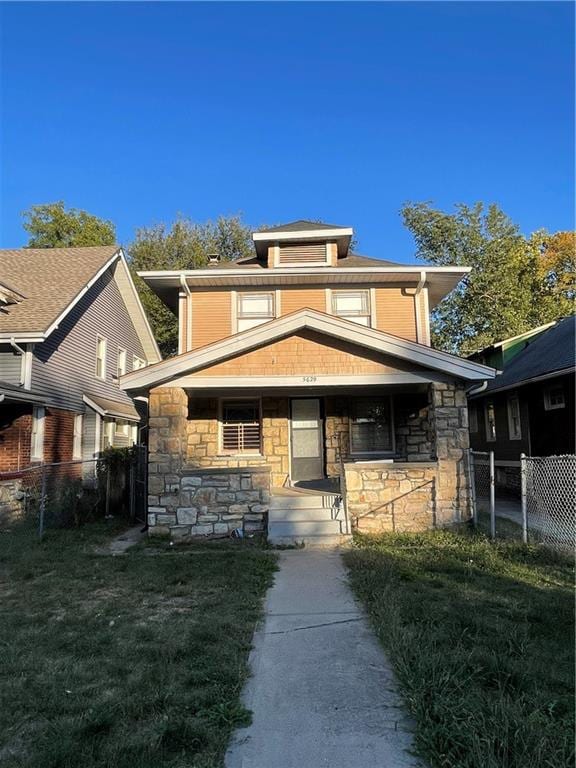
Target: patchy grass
135,661
482,639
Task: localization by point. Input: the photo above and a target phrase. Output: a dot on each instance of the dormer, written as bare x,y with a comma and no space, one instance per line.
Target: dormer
302,244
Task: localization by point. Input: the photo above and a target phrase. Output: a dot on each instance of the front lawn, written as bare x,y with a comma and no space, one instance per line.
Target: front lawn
134,661
481,636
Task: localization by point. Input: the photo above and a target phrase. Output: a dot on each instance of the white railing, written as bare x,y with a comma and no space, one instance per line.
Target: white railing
242,438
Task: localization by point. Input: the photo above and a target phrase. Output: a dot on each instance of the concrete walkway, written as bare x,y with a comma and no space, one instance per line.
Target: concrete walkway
322,692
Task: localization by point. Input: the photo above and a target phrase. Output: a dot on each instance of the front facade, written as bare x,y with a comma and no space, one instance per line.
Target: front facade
71,323
306,368
529,408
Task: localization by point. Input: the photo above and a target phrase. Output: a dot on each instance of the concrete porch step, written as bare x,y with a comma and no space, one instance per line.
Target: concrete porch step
304,514
312,542
299,528
303,501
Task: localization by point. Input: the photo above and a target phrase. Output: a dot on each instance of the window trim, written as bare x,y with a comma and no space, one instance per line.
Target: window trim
221,404
384,452
121,353
489,437
548,404
509,400
77,436
104,357
37,433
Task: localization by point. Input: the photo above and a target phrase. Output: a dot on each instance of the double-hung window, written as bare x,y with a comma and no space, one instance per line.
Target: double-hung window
352,305
371,429
121,362
554,397
37,441
514,425
254,309
490,421
101,357
241,426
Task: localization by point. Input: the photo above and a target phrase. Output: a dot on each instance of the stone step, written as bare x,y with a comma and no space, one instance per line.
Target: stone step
305,514
311,542
303,501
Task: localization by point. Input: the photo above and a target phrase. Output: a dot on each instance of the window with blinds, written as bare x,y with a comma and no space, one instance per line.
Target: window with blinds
241,428
302,254
254,309
371,425
352,305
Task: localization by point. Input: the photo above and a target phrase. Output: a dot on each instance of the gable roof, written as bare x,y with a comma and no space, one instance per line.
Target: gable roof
301,225
551,353
50,281
329,325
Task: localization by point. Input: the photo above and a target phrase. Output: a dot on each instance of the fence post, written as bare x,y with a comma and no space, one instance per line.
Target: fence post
41,522
492,498
523,486
107,507
472,473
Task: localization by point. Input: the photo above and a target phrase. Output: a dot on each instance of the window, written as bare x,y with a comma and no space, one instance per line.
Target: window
371,425
473,418
254,309
37,443
121,428
514,425
241,426
490,418
554,397
101,357
138,363
353,305
121,363
77,442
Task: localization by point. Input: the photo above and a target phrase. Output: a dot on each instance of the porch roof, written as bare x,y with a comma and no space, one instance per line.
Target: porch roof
419,355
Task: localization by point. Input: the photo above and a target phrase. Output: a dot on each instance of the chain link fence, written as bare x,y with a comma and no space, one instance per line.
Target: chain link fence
68,494
544,512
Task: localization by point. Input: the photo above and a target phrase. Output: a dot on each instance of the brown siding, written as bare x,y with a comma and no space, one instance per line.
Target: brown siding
211,317
395,312
306,353
302,298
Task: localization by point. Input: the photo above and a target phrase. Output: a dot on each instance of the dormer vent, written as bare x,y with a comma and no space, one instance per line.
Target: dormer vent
213,258
301,254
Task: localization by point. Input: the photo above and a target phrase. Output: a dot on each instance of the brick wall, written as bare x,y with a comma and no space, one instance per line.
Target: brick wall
16,436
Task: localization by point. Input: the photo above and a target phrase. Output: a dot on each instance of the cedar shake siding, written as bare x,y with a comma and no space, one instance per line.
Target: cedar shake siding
64,366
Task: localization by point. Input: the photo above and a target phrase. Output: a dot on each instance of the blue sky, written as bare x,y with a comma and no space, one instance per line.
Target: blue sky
279,111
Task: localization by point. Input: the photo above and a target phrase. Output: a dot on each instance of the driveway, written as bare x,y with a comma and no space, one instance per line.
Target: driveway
322,692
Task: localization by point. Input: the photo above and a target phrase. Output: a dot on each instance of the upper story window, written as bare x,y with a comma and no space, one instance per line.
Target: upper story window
37,442
101,357
138,363
254,309
121,363
302,254
352,305
490,419
554,397
514,425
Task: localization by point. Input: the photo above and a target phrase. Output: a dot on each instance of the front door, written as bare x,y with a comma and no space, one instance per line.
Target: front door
307,440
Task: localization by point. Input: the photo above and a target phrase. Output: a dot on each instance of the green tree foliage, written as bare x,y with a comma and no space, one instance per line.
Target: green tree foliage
515,283
52,226
184,244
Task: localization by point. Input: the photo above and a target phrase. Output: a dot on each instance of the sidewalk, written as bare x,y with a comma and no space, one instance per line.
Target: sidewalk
322,692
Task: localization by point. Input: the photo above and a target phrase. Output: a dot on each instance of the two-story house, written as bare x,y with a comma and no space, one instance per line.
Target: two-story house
71,323
306,372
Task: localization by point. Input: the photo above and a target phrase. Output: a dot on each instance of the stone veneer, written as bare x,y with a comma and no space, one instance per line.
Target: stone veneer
418,494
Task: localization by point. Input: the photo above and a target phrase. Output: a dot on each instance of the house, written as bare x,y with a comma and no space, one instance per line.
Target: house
71,323
306,372
529,408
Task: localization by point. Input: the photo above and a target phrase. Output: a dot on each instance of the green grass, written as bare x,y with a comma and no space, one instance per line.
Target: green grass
481,636
134,661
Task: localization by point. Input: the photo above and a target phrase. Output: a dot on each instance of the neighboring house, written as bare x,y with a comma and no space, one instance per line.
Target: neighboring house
529,408
71,323
300,367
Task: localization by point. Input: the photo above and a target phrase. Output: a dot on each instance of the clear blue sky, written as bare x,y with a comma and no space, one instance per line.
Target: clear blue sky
338,111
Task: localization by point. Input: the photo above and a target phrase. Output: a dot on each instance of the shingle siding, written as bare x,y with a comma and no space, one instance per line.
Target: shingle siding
64,366
10,365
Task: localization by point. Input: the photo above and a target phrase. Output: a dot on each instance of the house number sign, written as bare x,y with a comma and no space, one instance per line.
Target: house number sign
309,379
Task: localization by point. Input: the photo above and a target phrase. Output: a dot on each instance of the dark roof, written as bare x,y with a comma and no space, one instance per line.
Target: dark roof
552,351
350,261
48,279
302,225
112,408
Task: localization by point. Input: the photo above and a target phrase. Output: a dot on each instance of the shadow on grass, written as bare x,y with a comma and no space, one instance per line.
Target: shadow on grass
481,637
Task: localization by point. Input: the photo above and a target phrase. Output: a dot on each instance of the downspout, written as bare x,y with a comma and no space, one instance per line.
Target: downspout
477,389
21,352
417,292
188,328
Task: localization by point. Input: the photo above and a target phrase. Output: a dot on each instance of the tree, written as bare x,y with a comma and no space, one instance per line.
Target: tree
556,265
514,283
52,226
182,245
